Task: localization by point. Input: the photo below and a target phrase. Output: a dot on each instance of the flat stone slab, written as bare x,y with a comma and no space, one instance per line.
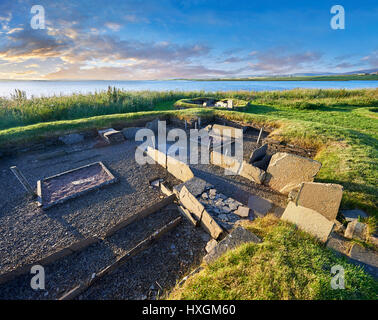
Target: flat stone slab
356,230
365,256
351,215
259,206
338,244
72,138
258,153
324,198
308,220
287,171
238,236
196,186
243,211
73,183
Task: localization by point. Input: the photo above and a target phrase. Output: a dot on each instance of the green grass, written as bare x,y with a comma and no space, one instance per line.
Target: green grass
288,264
341,124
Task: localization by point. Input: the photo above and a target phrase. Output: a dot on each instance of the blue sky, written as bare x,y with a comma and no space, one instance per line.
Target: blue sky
116,40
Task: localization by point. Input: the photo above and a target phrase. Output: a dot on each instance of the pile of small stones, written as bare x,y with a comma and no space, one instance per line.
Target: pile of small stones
222,208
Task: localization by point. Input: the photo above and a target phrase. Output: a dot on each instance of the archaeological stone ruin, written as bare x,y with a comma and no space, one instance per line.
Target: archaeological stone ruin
88,190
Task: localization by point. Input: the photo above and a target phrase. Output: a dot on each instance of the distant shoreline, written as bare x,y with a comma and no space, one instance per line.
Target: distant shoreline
367,77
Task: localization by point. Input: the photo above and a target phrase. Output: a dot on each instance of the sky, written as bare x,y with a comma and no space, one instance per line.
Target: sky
170,39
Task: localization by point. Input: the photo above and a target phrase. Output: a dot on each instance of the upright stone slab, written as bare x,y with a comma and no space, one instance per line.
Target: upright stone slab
324,198
159,157
191,203
210,225
258,153
259,206
226,162
237,237
179,169
287,171
252,173
308,220
356,230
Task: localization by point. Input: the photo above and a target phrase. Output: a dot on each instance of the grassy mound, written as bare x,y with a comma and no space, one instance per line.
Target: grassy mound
289,264
238,104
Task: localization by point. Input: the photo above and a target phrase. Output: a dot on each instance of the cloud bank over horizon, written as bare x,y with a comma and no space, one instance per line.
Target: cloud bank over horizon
140,40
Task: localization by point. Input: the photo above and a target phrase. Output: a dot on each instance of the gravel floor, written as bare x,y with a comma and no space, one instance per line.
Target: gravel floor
68,272
29,233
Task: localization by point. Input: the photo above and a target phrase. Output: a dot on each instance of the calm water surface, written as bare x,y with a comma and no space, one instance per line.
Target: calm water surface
48,88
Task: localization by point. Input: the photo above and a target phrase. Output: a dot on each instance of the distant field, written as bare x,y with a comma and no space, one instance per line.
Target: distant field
301,78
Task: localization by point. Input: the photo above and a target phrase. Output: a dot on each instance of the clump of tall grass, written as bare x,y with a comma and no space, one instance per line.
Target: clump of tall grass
20,111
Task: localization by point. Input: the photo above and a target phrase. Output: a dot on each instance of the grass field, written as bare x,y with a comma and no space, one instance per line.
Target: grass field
288,264
342,125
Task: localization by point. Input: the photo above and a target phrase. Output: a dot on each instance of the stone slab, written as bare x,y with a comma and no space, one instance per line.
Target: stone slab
242,211
191,203
258,153
287,171
210,225
211,245
196,186
324,198
179,169
338,243
259,206
158,156
185,213
356,230
226,162
308,220
72,138
232,132
366,256
351,215
238,236
114,136
252,173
